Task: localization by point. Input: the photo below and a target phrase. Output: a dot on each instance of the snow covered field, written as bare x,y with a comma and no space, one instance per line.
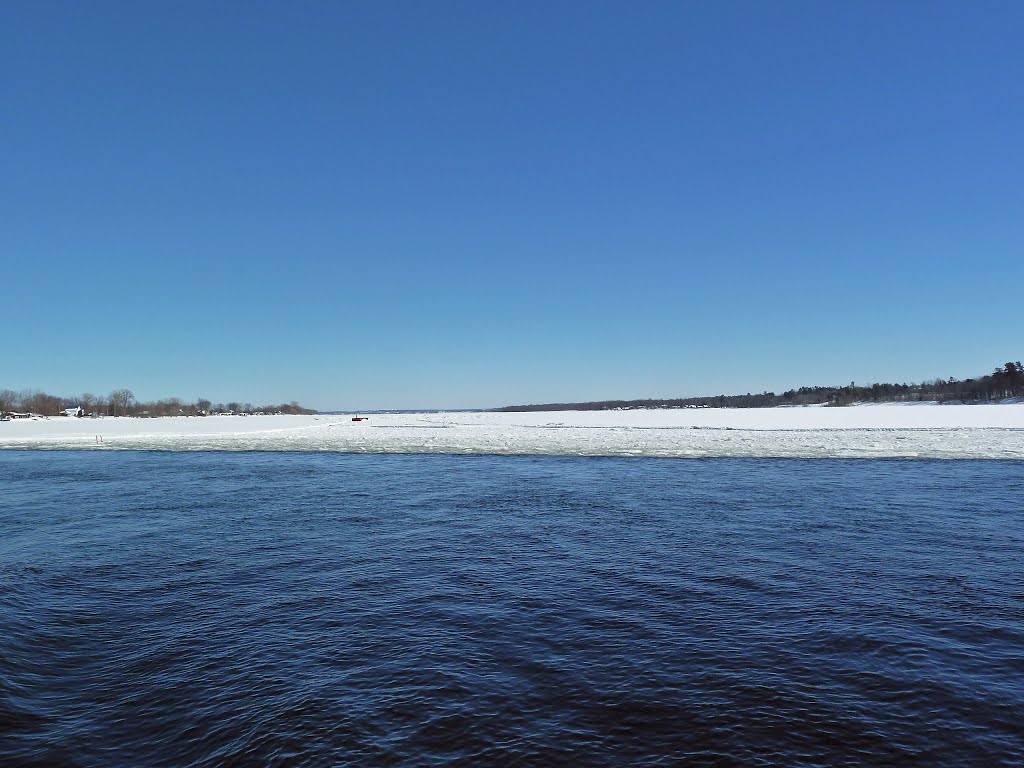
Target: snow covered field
925,431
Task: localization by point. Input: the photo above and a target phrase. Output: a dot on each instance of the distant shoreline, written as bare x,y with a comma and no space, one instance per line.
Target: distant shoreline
1004,384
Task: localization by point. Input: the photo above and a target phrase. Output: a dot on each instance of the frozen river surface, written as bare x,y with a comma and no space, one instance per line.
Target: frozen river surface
879,431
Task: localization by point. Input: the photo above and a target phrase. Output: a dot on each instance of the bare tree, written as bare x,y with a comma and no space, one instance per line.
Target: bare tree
121,400
7,399
35,401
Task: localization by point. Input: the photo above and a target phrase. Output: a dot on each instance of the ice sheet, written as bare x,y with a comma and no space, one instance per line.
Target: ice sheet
875,431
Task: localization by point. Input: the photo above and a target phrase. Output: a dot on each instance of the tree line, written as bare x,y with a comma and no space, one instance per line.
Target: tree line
1003,383
122,402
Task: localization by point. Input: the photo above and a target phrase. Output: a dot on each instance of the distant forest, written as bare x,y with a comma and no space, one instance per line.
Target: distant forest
122,402
1002,383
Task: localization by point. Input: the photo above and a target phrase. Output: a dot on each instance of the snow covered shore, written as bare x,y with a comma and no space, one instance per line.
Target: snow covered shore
875,431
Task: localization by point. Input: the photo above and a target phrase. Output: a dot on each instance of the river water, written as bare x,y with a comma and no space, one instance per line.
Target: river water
315,609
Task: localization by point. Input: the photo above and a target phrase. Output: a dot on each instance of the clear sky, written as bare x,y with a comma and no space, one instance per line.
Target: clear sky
469,204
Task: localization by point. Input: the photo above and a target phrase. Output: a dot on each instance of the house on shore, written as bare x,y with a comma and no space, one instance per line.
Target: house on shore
77,412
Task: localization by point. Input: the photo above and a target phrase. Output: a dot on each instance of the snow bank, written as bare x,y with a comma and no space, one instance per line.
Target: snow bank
871,431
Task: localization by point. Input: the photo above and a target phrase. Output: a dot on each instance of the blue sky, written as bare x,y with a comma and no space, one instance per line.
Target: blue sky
465,204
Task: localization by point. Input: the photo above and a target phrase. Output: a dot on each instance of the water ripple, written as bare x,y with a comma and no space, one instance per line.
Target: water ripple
309,609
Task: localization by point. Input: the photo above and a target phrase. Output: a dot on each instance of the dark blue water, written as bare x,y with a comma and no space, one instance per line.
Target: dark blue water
162,609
